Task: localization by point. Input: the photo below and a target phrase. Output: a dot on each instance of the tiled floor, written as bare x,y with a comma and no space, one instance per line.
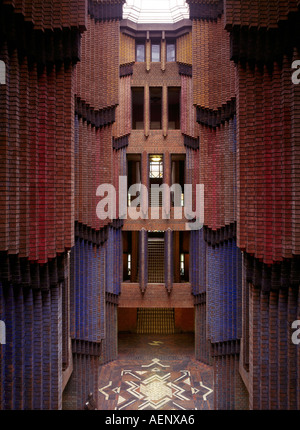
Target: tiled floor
156,372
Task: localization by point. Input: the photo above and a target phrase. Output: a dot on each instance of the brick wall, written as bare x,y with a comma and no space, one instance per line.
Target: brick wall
215,269
127,319
127,49
188,111
267,130
266,213
97,74
217,155
273,358
63,13
230,392
38,147
83,382
93,167
122,126
213,73
37,202
202,344
156,77
184,49
184,320
132,296
258,13
31,359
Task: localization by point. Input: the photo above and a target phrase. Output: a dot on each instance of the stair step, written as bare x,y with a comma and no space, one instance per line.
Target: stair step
156,260
156,321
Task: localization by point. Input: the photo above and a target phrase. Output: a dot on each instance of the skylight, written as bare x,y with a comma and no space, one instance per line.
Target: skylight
155,11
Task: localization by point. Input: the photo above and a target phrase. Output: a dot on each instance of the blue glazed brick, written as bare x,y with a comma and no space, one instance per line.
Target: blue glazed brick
221,279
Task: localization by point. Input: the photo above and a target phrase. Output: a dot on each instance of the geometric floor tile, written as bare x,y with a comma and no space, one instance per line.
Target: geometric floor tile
170,381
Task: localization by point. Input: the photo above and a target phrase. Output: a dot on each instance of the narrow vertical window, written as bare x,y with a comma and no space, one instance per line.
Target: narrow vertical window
173,108
155,52
156,167
155,108
156,174
129,264
171,52
133,175
137,108
178,177
181,264
140,52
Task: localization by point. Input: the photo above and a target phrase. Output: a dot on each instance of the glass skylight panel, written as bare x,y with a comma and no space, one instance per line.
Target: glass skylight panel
155,11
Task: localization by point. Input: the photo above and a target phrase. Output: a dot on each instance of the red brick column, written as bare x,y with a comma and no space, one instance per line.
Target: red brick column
163,52
143,264
254,348
273,350
292,350
282,350
165,110
146,110
169,275
176,257
264,350
148,53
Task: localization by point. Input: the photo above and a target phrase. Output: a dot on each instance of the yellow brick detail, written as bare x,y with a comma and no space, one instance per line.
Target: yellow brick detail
184,49
127,49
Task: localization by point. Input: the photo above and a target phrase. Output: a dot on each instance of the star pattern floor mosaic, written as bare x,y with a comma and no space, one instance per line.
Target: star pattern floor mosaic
156,372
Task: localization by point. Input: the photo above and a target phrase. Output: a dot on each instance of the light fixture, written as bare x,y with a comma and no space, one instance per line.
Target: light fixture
156,158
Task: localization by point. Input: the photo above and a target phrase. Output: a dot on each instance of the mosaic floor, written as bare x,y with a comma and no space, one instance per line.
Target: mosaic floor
156,372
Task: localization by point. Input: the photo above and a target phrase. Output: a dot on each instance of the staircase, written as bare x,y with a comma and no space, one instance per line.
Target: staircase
155,321
155,201
156,252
